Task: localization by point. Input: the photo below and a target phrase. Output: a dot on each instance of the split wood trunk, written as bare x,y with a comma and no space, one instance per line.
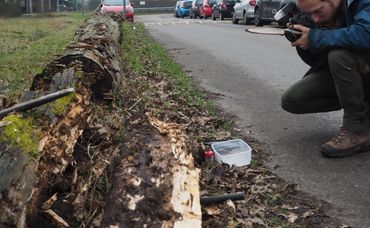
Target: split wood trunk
92,65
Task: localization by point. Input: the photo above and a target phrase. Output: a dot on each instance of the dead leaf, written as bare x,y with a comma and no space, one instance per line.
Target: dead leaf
292,217
259,221
231,205
212,210
307,214
289,207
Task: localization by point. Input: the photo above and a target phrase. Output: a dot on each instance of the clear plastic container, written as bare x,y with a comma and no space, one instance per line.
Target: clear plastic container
232,152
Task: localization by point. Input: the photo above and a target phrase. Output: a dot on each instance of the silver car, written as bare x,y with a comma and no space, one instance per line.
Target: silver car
244,10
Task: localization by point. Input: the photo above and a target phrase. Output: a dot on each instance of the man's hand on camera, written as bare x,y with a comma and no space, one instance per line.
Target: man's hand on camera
302,42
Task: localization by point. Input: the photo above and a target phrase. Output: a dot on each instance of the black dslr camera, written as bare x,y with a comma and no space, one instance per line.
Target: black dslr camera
292,15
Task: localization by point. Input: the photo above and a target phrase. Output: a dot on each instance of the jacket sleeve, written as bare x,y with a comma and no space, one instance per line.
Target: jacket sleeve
356,36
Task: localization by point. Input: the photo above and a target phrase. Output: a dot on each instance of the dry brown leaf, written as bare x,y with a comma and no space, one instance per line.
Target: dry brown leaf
289,207
259,221
212,210
292,217
231,205
307,214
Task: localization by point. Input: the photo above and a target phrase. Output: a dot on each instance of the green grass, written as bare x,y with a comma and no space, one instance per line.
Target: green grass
139,47
27,44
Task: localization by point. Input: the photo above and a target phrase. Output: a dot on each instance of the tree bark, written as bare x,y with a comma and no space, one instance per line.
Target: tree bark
91,65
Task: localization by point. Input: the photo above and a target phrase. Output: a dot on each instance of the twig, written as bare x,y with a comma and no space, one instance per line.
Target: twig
4,123
134,104
57,218
49,203
88,221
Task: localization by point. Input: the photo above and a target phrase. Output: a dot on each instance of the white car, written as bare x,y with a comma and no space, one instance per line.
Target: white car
244,10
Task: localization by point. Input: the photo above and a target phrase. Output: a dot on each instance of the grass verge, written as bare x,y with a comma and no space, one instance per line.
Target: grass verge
157,60
27,44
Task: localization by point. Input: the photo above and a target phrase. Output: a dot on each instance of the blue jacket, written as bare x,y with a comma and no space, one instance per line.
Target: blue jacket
355,36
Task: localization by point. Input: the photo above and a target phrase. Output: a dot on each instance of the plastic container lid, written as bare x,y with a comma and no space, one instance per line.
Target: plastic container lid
232,152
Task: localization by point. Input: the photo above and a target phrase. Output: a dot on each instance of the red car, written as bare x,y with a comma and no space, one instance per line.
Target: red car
205,10
115,7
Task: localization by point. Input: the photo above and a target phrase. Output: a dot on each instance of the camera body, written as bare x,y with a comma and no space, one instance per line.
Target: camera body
292,34
284,15
292,15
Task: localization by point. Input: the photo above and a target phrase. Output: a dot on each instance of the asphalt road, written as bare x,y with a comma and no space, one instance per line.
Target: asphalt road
249,72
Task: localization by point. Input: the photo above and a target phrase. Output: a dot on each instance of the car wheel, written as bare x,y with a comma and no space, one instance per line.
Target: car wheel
221,16
257,18
234,20
246,20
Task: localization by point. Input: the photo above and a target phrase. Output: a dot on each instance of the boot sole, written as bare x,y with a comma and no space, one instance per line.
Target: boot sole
329,152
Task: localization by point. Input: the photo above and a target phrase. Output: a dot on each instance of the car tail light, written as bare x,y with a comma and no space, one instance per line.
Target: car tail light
223,6
252,2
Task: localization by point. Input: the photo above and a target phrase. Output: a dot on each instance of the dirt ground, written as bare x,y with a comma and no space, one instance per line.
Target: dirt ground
94,190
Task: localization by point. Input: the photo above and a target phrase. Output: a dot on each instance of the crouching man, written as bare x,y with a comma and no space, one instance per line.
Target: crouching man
339,77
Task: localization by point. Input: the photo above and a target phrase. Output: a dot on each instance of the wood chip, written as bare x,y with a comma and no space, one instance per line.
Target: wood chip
4,123
49,203
57,218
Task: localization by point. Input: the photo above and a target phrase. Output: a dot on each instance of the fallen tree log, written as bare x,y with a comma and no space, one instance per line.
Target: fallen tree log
91,65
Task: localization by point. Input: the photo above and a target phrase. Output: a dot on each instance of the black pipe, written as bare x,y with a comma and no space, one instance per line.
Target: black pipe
222,198
24,106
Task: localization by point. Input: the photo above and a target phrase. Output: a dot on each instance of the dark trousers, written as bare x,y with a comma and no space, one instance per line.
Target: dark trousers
342,83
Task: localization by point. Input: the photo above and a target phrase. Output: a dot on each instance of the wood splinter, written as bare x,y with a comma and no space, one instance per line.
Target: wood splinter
57,218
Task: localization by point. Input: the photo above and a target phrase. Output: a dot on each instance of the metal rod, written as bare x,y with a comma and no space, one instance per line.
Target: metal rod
222,198
24,106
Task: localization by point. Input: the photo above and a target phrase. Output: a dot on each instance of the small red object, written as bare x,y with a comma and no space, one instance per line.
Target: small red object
208,156
208,153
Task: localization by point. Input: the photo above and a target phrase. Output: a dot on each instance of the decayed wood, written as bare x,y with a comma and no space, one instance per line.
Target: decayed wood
59,220
155,183
96,48
185,178
91,65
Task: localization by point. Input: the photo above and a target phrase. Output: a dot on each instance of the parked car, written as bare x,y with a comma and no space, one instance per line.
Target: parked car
115,7
195,7
264,11
182,8
223,9
244,10
205,10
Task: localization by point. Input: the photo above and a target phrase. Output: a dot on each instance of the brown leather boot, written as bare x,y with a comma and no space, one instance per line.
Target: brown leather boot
346,144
